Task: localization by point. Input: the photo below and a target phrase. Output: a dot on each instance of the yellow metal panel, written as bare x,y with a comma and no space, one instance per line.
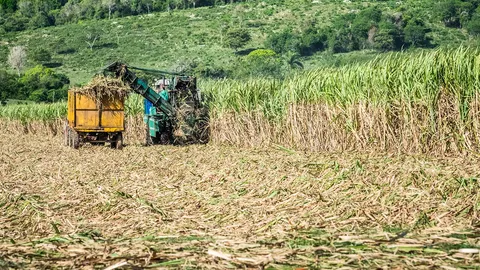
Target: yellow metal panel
84,102
87,119
103,130
71,108
109,103
113,119
84,113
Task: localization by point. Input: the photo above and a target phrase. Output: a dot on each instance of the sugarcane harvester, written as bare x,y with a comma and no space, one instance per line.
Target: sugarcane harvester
174,114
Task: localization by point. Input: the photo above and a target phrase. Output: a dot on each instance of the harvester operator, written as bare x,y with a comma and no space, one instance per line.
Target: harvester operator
160,87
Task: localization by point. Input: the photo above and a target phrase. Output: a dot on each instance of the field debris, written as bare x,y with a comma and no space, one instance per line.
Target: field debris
306,250
101,87
191,125
215,207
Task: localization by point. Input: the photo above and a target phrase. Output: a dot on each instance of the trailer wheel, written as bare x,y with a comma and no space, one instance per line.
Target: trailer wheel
119,142
98,143
70,138
75,139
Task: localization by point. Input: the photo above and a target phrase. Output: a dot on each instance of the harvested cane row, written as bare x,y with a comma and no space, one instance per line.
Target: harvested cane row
316,249
230,206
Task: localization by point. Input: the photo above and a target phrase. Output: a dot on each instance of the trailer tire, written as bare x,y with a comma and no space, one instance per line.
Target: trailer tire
98,143
119,142
75,139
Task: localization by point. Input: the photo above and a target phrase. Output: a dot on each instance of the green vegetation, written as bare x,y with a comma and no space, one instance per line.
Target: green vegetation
34,112
39,84
43,84
289,62
424,102
237,38
418,78
41,56
260,63
8,84
457,13
20,14
206,40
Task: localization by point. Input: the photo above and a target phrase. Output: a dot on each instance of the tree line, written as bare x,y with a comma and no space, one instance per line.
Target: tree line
373,29
18,15
39,83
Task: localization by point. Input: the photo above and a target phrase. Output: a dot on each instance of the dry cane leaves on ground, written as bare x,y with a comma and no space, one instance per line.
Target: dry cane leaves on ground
206,206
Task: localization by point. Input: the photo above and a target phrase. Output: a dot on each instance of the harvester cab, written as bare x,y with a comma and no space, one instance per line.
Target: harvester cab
173,112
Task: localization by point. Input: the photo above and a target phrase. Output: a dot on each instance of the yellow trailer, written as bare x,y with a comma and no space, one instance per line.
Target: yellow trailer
94,121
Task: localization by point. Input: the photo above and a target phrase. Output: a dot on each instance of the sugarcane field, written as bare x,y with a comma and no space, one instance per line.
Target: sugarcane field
248,175
230,134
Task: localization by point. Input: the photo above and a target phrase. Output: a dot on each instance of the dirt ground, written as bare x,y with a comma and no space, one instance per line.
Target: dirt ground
207,206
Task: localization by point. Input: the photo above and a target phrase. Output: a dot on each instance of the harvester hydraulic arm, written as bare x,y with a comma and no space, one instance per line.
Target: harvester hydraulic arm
141,87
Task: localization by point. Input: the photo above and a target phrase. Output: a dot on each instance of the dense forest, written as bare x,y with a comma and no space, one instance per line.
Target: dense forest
249,38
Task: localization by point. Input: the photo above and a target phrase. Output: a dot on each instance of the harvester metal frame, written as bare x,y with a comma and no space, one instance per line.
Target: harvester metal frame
161,114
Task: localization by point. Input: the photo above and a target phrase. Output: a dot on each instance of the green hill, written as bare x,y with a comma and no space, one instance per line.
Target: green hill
196,37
